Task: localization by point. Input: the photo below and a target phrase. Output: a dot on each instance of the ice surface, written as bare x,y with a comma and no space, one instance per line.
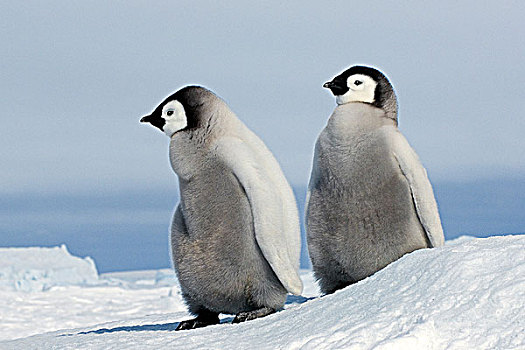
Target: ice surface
38,269
466,295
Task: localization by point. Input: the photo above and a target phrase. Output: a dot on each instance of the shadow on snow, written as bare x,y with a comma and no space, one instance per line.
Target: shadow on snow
291,299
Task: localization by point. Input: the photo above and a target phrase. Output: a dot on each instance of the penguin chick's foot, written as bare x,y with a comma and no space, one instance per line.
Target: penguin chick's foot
203,320
252,315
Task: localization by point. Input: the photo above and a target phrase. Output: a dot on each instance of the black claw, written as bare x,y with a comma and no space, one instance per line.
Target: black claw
252,315
189,324
240,317
198,322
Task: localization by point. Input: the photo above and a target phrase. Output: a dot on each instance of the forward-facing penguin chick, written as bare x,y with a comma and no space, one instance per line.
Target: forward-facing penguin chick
235,234
369,199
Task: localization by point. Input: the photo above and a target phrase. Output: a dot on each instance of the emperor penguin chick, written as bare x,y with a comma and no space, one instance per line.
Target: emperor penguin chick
369,199
235,234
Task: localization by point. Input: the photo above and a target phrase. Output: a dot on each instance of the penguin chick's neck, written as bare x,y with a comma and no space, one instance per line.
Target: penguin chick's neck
358,116
354,105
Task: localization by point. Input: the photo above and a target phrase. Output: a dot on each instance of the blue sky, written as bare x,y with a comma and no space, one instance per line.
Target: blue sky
77,76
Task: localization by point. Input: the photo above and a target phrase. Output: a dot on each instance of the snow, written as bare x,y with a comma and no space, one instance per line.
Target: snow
469,294
38,269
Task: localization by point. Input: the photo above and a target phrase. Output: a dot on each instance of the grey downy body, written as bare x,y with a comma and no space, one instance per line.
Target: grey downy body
218,262
230,254
370,201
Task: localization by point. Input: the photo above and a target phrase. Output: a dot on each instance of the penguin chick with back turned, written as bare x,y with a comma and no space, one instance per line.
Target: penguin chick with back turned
369,199
235,233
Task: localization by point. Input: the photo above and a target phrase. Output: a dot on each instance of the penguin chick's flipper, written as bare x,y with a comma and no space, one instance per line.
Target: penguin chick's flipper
252,315
204,319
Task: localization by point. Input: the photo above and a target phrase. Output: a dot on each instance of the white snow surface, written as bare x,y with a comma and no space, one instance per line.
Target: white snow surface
469,294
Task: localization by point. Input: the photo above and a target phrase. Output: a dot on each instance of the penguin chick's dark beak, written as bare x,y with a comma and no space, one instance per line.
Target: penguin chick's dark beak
336,86
154,120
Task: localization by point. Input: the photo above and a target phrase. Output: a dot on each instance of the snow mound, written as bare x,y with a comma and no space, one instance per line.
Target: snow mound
37,269
468,295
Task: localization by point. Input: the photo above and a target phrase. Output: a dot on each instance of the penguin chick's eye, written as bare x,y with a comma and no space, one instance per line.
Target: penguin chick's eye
169,113
358,82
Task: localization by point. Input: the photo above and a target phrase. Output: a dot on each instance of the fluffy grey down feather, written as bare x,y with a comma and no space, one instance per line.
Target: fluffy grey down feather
361,214
216,257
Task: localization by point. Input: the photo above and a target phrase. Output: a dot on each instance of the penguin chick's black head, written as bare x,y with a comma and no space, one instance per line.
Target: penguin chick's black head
179,111
364,84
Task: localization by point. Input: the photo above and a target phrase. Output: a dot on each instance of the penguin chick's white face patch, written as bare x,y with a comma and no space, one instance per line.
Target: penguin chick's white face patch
361,88
173,113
